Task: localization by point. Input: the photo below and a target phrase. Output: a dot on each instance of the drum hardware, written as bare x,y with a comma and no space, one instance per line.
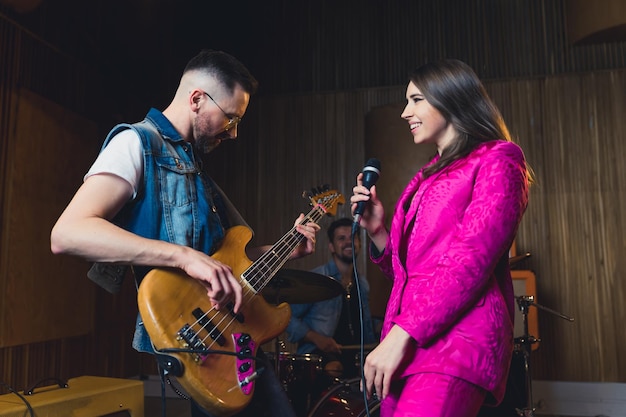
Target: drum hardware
515,259
298,374
298,287
296,367
279,349
526,341
358,358
346,399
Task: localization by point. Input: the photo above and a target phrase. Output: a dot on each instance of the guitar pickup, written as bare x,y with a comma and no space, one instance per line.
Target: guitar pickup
238,316
214,332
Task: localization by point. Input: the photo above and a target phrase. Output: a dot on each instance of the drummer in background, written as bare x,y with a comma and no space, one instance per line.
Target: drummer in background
323,327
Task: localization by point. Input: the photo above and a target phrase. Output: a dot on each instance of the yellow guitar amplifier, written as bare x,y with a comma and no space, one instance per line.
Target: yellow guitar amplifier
85,396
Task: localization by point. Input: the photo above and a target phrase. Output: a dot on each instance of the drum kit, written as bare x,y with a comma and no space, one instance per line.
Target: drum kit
312,393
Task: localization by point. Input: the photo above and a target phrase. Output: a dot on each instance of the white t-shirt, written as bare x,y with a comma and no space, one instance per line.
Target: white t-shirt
123,157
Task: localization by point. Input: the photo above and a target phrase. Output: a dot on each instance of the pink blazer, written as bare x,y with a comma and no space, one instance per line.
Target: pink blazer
447,255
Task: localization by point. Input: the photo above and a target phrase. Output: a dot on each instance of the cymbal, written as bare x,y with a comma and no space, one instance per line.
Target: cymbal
299,287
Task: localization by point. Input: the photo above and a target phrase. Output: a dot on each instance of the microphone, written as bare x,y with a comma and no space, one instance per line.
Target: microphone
371,172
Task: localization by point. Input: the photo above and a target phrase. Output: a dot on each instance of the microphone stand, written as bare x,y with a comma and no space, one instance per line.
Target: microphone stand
526,341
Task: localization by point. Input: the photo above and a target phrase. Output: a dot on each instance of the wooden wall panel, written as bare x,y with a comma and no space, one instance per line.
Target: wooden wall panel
572,129
45,297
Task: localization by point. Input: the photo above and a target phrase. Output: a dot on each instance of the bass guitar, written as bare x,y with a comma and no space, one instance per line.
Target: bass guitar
211,352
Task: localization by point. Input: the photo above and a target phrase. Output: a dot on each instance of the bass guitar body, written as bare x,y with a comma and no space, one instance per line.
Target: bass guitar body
177,314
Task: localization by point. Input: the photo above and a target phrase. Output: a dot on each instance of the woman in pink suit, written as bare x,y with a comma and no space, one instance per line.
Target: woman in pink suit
447,337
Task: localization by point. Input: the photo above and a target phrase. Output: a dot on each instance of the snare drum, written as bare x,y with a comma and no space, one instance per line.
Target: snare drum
345,400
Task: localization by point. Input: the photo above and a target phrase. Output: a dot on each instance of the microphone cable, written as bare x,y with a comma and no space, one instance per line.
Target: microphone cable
355,230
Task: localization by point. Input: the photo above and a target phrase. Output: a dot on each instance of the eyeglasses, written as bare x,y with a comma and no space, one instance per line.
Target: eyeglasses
232,120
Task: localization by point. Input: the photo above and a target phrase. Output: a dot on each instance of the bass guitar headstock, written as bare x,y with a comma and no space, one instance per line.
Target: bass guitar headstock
325,199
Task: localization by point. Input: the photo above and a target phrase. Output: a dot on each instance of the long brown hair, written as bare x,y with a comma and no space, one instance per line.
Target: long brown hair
454,89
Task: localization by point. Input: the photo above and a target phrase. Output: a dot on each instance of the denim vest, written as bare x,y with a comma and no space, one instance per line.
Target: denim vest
176,202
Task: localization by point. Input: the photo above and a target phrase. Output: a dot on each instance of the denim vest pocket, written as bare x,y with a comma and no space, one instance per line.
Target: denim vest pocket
175,192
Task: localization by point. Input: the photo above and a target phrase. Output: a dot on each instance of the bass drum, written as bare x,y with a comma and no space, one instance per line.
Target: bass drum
345,400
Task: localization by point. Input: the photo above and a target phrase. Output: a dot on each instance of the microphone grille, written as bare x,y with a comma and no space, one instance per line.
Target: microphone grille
374,163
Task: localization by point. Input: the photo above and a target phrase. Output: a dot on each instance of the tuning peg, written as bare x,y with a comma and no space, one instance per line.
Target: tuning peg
306,194
326,187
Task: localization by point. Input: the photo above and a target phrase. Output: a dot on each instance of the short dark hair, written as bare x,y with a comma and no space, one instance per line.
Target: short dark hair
226,68
337,223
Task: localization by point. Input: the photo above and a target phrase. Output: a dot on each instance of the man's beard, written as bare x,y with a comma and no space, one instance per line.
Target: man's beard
205,145
345,259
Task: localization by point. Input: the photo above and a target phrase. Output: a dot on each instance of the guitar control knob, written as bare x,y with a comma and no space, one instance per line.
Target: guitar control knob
243,339
245,352
245,367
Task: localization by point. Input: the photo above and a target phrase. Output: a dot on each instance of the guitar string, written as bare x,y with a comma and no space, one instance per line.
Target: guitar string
248,294
292,239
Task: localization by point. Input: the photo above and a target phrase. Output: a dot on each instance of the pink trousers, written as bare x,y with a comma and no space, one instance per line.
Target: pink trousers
432,395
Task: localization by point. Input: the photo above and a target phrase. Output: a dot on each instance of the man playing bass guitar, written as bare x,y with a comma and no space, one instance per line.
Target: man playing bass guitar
145,202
